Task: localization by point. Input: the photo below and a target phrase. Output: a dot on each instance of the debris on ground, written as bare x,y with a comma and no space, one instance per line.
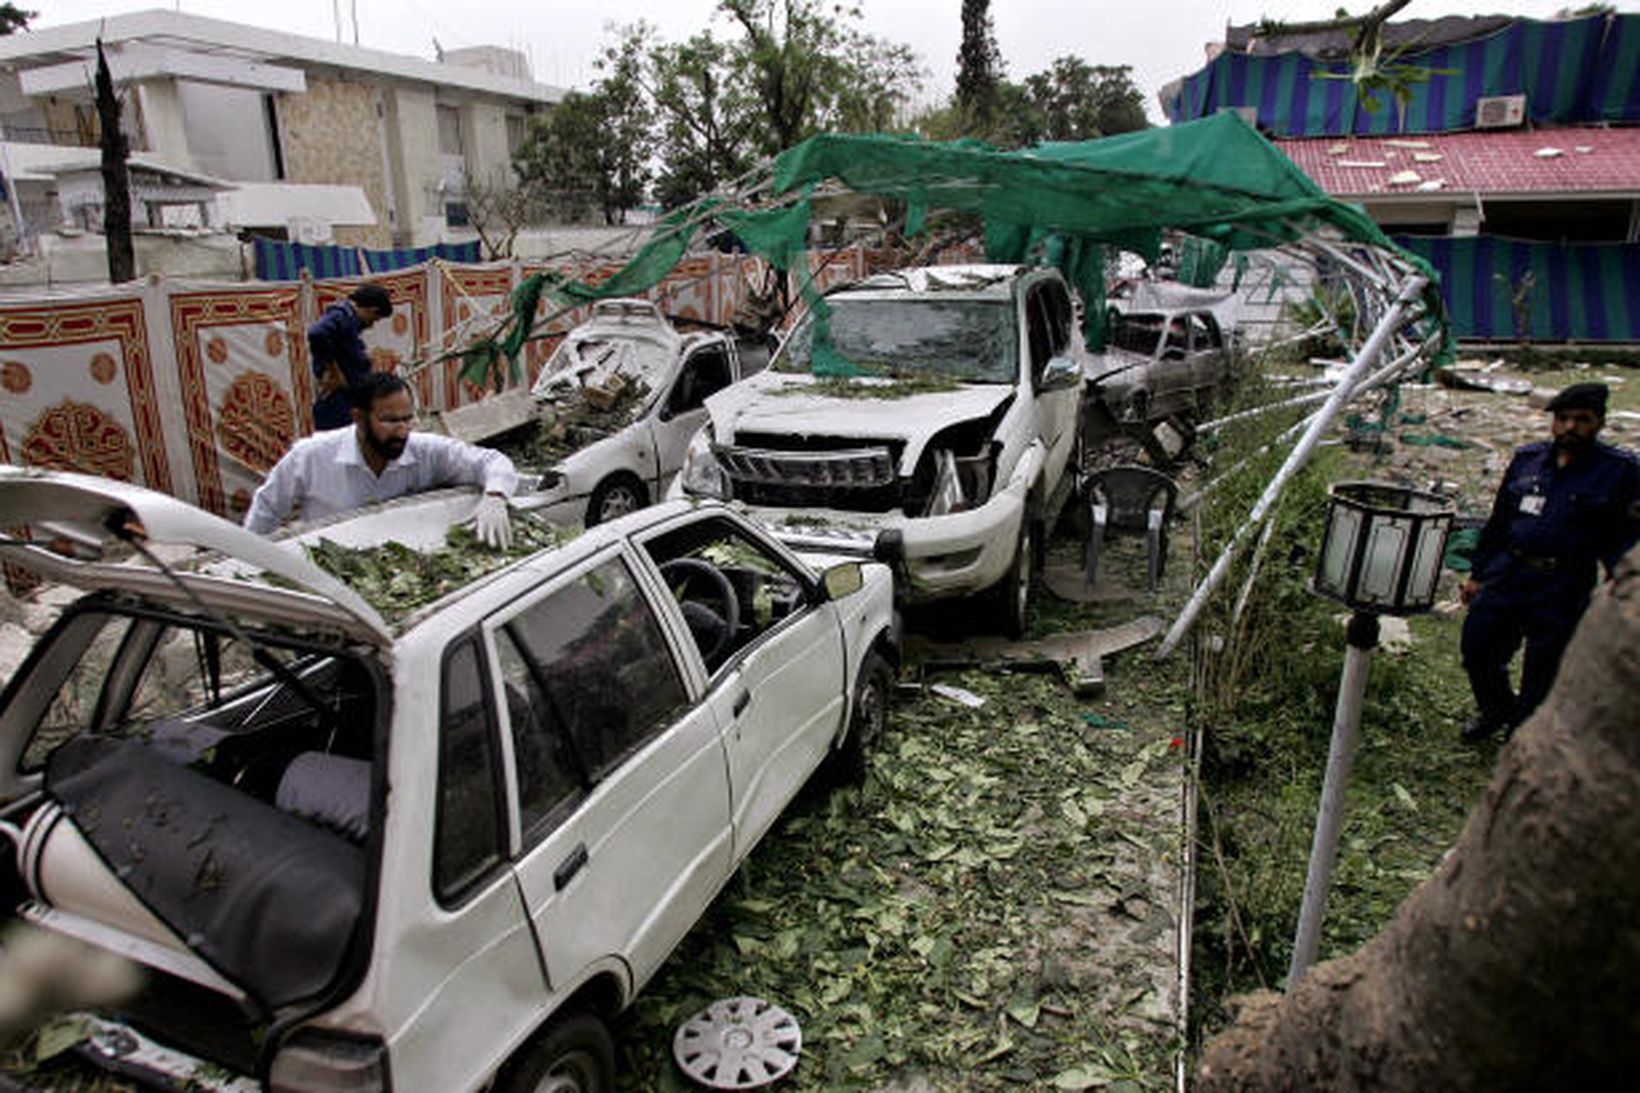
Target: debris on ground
1078,655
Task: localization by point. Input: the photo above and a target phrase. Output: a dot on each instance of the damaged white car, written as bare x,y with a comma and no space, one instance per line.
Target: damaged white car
432,850
937,405
610,415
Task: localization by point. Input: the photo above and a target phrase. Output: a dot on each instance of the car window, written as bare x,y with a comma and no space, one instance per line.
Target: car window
703,375
1050,323
549,778
74,706
1178,338
731,588
468,831
607,677
188,671
1204,332
972,341
1138,334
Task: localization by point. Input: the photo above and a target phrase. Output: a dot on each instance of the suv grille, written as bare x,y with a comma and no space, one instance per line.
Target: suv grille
852,479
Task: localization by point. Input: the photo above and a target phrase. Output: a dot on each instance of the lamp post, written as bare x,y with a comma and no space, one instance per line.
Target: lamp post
1381,555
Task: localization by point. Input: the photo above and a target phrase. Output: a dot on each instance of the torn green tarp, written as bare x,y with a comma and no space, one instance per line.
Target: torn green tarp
1215,178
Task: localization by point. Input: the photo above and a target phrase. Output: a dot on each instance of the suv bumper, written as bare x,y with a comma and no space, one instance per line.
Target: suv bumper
943,556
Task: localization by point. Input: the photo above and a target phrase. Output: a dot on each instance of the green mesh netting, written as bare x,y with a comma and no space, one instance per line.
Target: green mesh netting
1215,179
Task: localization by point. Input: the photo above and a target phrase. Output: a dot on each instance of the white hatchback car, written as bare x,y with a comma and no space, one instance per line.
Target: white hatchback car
435,853
617,461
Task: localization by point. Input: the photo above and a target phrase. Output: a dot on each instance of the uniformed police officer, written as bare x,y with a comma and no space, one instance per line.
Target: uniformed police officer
1565,507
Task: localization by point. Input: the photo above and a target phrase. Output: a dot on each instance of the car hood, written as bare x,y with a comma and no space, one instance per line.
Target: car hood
789,405
1112,364
78,513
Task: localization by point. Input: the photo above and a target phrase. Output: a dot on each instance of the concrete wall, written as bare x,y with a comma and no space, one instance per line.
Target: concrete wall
332,133
412,148
83,259
484,135
164,135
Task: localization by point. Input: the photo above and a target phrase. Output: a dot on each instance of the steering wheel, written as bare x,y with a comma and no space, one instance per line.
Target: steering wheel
679,572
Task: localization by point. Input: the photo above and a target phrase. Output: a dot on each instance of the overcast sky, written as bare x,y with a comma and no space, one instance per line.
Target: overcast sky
1161,39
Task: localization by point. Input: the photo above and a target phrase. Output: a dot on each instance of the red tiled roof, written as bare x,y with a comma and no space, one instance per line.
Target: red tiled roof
1591,160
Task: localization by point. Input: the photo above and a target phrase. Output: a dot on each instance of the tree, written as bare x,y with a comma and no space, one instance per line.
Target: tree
589,155
813,72
1079,101
979,67
704,116
500,207
14,18
116,179
1517,965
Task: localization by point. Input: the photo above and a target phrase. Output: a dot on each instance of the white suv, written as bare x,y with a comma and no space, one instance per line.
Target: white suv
938,404
434,853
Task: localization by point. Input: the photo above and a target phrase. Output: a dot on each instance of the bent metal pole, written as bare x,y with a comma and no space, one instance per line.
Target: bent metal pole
1405,300
1361,640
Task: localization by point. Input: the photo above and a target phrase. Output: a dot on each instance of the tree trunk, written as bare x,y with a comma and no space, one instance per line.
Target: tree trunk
122,261
1517,965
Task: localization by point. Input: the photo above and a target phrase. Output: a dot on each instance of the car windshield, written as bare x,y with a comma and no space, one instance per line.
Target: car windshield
1138,333
971,341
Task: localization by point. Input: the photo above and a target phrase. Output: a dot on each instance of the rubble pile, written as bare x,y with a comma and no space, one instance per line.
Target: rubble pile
578,417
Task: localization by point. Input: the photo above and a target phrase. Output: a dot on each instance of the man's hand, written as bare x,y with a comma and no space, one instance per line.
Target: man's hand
1468,590
491,522
331,380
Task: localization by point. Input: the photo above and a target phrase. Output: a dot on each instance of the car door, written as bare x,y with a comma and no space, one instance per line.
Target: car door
1172,370
779,684
1206,353
1049,316
703,372
622,790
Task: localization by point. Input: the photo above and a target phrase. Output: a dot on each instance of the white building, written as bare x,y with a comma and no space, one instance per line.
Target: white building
221,100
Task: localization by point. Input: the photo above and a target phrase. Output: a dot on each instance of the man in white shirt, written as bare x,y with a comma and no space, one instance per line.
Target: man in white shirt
381,457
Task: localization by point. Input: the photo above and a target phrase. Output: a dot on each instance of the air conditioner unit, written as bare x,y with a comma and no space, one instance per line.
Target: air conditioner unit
1500,111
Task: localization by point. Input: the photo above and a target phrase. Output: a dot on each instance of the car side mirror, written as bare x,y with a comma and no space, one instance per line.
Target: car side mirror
842,580
1061,372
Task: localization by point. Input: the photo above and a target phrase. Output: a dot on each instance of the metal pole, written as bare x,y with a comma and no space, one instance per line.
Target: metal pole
1362,638
1296,459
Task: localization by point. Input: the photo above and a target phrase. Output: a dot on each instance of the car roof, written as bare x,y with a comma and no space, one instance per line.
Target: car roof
243,574
970,282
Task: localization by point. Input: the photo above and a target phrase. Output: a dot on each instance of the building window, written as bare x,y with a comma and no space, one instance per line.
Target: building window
449,131
515,133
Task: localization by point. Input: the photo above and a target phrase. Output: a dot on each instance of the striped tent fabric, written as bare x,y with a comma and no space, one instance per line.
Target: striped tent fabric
1580,292
281,261
1573,70
277,260
385,261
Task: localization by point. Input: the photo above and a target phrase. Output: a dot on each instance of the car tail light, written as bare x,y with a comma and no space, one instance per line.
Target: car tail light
317,1062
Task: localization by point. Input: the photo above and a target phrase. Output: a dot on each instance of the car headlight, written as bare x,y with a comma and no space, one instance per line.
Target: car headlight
550,481
961,482
703,475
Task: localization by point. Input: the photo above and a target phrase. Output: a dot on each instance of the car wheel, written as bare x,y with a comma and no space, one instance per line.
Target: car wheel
866,720
615,496
1012,596
572,1055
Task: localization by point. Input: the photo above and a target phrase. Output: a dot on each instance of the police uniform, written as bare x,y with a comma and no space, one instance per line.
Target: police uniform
1550,529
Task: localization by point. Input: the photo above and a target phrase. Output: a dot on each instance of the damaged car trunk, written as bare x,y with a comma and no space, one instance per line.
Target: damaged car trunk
202,804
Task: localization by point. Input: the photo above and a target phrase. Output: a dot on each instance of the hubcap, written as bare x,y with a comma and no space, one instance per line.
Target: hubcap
570,1074
619,501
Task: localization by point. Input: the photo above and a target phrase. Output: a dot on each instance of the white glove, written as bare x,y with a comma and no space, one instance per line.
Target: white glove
491,522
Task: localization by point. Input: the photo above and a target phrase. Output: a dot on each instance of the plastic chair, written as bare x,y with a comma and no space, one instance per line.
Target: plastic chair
1124,499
